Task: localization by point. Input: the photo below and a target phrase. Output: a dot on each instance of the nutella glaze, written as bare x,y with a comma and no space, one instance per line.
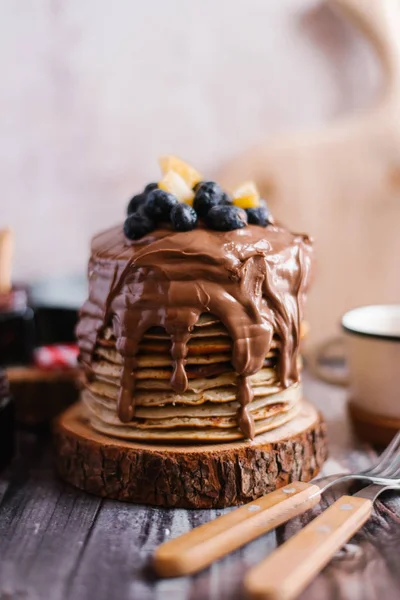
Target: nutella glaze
254,280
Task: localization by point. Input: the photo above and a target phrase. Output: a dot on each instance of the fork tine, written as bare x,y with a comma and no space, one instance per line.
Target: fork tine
391,470
387,464
396,475
386,457
386,470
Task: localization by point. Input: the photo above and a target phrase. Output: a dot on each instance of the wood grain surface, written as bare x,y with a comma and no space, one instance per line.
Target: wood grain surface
57,543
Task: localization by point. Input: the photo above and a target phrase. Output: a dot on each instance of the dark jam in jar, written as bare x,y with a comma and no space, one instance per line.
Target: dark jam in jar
7,422
17,331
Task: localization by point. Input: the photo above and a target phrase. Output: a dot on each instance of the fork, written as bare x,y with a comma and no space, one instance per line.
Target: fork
198,548
289,569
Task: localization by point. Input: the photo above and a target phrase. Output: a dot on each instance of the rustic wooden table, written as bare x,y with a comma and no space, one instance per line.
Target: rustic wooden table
57,543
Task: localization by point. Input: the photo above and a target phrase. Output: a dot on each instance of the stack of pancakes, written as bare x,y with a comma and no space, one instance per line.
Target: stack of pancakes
207,410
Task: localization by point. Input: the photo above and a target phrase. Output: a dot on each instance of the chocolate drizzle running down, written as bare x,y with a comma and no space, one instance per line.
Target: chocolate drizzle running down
253,280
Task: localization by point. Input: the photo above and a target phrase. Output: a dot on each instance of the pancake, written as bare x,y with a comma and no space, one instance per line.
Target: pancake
182,435
289,396
214,329
204,335
171,422
155,359
207,370
160,398
157,381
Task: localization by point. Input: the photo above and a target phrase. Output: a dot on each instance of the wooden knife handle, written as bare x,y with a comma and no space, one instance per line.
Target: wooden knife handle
290,568
201,546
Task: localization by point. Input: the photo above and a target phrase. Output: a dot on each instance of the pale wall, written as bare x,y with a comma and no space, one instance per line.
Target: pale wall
93,91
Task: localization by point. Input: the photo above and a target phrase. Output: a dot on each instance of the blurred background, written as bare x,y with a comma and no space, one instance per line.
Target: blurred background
93,92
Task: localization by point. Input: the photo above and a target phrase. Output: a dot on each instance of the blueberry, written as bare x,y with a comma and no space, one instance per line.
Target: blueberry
226,218
183,217
137,225
258,216
159,204
150,187
135,202
208,194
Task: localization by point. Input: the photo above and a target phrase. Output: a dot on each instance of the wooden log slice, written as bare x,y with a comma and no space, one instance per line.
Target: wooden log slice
196,476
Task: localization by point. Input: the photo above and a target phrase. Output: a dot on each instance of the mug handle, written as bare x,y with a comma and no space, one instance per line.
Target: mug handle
323,372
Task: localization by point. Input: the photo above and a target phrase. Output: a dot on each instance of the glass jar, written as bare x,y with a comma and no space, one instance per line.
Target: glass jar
7,422
17,329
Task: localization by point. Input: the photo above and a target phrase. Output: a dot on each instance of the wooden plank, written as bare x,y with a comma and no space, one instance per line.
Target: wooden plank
224,579
122,540
44,525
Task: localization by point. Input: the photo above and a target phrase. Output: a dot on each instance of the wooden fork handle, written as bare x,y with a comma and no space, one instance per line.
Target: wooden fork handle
201,546
288,570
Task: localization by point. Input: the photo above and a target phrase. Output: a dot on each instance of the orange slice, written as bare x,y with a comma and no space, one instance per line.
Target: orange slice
246,195
188,173
173,183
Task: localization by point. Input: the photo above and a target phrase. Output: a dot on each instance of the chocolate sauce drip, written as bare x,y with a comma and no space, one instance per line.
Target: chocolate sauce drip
253,280
179,350
245,396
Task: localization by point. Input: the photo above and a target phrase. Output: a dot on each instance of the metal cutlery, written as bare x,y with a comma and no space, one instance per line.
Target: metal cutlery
289,569
203,545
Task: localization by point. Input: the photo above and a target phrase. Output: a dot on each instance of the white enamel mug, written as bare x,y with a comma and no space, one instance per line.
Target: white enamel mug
372,349
373,355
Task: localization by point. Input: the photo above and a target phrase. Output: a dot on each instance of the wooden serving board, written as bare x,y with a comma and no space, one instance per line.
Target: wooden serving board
196,476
